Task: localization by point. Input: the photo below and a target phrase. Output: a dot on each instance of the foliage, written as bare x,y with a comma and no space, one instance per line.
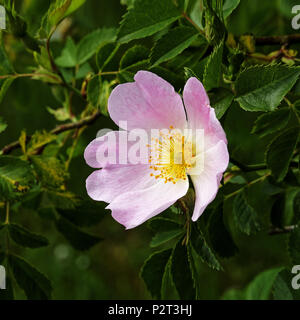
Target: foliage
54,87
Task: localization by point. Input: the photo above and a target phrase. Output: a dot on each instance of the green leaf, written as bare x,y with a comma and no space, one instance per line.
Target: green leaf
26,238
168,290
215,30
4,86
79,239
280,152
35,285
294,245
134,59
54,15
165,230
128,3
50,170
204,251
42,59
106,54
3,125
176,79
60,114
262,88
75,4
164,237
198,69
147,17
271,122
57,11
245,216
153,270
182,273
229,6
5,66
172,44
133,56
189,73
220,238
284,212
93,91
282,288
213,68
83,71
89,45
221,100
68,58
40,139
16,177
260,287
98,92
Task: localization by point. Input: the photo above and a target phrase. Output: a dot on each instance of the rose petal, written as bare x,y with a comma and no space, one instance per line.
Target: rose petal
114,148
199,113
148,103
207,182
109,183
133,208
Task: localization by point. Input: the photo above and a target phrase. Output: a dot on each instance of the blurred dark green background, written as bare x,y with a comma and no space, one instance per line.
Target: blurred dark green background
110,270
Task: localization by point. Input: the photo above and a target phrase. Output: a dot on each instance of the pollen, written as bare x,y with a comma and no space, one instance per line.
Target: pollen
172,155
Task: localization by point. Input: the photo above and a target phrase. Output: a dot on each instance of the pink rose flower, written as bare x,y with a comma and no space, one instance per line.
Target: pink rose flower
138,192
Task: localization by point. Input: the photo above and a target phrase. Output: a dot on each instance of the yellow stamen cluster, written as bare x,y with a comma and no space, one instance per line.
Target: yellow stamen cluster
171,156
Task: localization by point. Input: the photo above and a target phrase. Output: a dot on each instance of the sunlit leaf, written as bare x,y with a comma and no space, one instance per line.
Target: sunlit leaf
147,17
262,88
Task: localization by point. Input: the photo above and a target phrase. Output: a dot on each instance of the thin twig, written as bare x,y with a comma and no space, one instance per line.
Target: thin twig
278,40
57,130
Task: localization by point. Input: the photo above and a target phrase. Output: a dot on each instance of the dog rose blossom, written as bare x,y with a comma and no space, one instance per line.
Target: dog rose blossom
139,191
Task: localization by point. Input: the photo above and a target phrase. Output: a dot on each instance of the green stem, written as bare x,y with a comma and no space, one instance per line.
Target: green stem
185,209
107,73
292,106
250,167
247,186
25,75
7,213
193,23
78,134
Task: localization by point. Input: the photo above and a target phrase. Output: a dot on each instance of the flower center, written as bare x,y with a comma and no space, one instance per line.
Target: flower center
172,155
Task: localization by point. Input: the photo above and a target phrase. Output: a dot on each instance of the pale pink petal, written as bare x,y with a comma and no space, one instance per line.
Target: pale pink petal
133,208
199,113
148,103
108,183
207,182
114,148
